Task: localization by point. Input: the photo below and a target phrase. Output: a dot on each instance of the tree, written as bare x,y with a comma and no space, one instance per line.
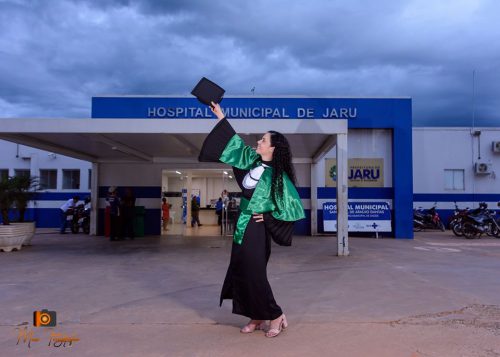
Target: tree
24,191
7,198
16,192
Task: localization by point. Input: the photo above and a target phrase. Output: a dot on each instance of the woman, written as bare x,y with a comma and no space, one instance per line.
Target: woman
165,213
268,208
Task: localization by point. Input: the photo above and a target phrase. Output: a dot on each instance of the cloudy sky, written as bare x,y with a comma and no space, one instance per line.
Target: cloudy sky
56,54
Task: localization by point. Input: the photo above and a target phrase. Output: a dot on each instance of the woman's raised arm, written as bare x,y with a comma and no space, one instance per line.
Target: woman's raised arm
216,109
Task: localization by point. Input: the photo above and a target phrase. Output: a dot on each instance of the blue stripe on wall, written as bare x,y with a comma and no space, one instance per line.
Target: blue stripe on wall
304,192
303,227
13,216
152,221
59,196
44,217
47,217
139,191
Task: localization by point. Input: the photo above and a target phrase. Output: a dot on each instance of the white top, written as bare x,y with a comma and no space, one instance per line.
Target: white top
69,204
253,176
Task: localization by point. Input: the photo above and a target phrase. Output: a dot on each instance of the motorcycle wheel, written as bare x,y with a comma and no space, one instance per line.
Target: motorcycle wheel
469,231
75,228
492,229
86,228
441,226
417,227
456,228
495,230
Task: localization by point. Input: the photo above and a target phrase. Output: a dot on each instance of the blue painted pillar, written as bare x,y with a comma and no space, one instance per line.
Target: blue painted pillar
402,171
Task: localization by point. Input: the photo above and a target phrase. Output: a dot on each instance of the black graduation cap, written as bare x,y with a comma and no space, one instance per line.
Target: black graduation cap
207,91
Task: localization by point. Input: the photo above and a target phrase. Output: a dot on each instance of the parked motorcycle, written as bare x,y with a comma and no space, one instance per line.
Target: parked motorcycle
81,219
474,226
455,221
493,224
427,219
474,223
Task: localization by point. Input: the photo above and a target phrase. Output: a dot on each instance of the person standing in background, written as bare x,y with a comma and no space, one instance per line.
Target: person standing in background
225,198
165,213
88,204
67,207
195,212
218,211
113,201
232,215
225,201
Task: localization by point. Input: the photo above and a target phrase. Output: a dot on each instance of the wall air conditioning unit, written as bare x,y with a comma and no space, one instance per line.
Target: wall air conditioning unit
496,146
482,168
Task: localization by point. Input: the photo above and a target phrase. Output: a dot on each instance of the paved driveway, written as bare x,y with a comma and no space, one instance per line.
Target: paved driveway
431,296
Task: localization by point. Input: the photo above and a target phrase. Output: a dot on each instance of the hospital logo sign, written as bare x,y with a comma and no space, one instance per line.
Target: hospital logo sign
361,172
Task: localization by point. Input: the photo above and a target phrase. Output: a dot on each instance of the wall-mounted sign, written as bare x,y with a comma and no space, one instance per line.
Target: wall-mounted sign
254,113
359,110
360,172
362,217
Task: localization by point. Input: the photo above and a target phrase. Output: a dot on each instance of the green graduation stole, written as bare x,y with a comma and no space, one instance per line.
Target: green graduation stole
289,208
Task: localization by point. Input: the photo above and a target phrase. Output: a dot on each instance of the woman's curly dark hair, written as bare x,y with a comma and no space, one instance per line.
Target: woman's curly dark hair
282,162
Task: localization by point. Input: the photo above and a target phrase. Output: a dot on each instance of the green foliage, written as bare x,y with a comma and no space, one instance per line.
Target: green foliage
6,198
24,191
16,192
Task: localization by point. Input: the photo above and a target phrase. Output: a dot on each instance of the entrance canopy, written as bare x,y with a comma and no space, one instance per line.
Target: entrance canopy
153,140
178,141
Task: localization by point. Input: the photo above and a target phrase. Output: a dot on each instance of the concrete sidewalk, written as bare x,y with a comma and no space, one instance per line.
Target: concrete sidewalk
432,296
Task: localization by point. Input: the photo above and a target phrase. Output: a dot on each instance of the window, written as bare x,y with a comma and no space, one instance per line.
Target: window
48,179
4,174
454,180
90,179
22,172
71,179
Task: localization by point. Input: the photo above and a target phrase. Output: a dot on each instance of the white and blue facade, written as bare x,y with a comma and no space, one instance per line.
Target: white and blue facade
445,168
378,128
44,209
381,126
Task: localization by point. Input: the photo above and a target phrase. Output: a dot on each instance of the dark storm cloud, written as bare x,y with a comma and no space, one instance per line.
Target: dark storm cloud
55,55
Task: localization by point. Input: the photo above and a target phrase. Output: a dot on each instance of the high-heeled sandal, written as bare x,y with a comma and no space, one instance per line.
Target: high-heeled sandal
273,332
250,327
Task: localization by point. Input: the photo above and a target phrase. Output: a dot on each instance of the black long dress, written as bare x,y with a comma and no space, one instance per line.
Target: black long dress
246,280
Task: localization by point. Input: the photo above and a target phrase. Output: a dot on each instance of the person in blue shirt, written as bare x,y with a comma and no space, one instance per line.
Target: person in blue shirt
218,211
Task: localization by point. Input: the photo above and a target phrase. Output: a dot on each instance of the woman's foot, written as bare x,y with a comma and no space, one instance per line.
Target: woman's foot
276,326
252,326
